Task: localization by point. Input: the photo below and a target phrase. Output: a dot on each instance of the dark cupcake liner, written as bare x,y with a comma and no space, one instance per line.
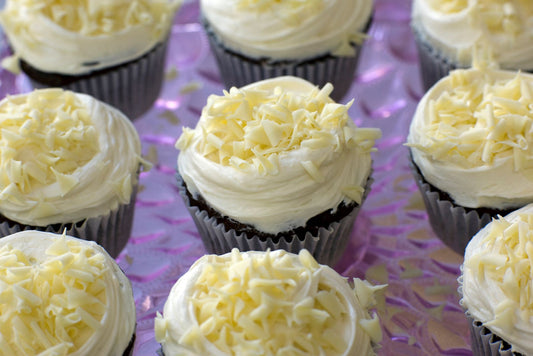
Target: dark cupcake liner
486,343
131,87
433,64
453,224
111,231
238,70
130,347
327,245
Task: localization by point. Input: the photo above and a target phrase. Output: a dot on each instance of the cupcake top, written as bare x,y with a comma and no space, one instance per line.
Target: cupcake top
497,278
275,153
79,36
267,303
289,29
64,157
62,296
472,138
459,28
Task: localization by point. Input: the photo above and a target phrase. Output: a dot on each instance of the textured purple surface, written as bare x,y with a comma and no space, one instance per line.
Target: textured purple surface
391,243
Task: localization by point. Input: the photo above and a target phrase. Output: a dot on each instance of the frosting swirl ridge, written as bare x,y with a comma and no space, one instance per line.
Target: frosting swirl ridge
288,29
62,296
464,30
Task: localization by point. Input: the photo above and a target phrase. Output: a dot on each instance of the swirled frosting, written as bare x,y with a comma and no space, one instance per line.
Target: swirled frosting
64,157
79,36
497,278
267,303
289,29
489,29
471,137
275,153
62,296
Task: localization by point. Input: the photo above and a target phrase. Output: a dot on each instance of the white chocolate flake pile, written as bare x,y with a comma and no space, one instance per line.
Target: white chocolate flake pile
53,306
250,129
478,119
506,259
273,304
44,137
94,18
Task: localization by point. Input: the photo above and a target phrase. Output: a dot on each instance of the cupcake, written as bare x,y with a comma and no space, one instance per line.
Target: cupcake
113,50
319,41
453,34
472,149
496,284
63,296
68,162
275,164
267,303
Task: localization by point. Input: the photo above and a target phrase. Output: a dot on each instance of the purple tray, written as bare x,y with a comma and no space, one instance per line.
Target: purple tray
392,241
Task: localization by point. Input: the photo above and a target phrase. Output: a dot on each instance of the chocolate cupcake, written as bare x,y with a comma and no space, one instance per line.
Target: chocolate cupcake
312,310
68,163
276,164
63,296
112,50
496,286
319,41
455,34
472,149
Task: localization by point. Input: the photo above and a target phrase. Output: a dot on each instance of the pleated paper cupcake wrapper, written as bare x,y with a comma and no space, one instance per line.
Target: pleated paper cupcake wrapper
111,231
485,342
453,224
237,70
131,345
132,87
327,246
433,64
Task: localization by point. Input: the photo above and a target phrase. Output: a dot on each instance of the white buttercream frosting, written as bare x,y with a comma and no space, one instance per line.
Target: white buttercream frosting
64,157
62,296
463,29
289,29
267,303
471,137
76,37
275,153
497,278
